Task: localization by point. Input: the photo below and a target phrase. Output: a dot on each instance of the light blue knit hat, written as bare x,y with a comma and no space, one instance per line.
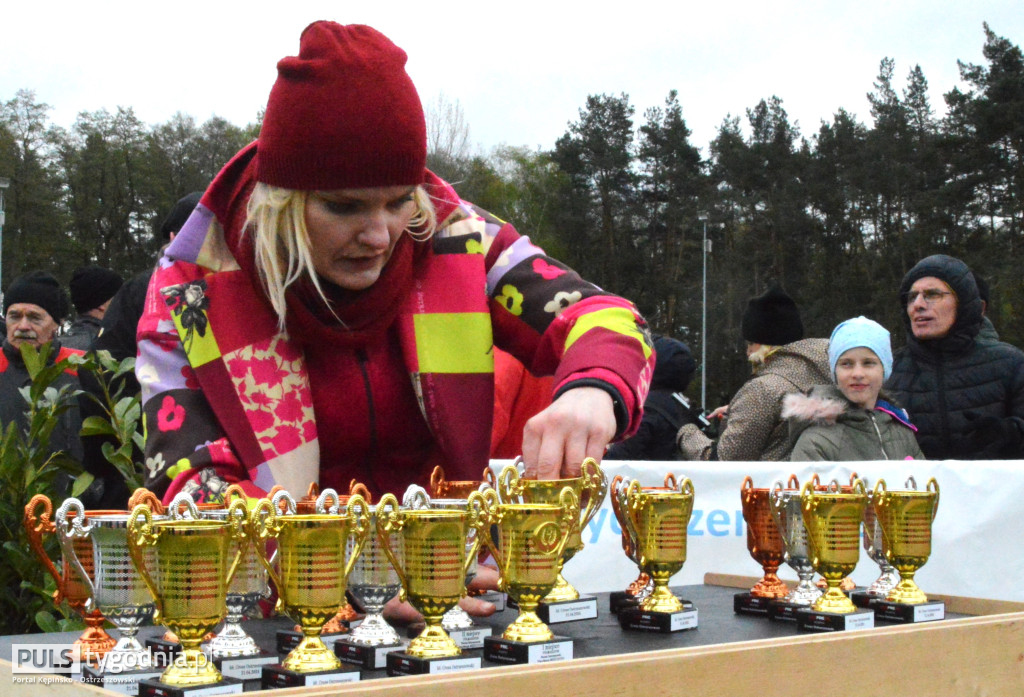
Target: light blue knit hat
857,332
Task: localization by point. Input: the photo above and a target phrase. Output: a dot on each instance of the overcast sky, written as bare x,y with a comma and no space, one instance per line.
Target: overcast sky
519,70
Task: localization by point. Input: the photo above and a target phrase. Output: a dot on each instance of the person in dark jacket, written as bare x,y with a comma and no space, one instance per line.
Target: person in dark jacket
666,409
34,306
92,290
117,336
964,390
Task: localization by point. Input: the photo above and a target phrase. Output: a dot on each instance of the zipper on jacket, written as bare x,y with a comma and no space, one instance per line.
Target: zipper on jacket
881,441
371,453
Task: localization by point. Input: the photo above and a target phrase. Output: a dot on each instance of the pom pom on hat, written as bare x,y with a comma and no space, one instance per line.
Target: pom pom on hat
858,332
772,318
342,114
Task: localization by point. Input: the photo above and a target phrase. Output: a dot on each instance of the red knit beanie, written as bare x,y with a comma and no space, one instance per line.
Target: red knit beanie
343,114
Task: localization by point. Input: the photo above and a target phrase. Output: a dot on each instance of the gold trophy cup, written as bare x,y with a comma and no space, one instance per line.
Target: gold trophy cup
590,489
436,561
310,570
189,584
906,520
642,586
657,522
833,519
532,538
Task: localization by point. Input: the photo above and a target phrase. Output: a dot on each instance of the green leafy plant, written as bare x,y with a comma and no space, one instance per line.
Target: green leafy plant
122,416
28,467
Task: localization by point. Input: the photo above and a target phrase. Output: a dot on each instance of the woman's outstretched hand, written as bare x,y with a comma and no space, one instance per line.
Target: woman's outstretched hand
577,425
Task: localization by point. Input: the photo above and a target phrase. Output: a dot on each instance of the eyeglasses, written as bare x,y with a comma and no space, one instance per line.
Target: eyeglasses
930,296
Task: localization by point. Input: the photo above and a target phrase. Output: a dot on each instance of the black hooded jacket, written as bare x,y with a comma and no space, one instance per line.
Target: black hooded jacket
663,413
947,383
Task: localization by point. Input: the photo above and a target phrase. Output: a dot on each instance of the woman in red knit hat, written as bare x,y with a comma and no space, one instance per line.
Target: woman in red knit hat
328,311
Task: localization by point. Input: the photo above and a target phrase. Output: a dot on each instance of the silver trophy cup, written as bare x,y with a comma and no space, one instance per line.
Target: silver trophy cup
373,581
785,507
118,590
873,546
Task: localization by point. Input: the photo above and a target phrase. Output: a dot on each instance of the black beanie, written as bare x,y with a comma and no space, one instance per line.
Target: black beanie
772,319
91,286
38,288
179,214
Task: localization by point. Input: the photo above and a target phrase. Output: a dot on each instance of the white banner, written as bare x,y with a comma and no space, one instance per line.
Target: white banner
976,536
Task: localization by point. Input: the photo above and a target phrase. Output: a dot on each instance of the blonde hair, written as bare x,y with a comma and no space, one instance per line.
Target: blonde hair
759,357
276,219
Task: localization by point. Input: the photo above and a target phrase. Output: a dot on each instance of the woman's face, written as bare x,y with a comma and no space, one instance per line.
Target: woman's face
354,231
859,375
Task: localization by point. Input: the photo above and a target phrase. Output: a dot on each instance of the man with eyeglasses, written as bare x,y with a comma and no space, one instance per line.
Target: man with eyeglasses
964,389
34,306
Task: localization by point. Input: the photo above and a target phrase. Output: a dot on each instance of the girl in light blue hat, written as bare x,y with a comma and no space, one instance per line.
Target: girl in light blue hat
850,420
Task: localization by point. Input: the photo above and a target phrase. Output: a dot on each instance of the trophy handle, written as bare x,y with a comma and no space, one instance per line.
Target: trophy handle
595,483
325,496
807,498
283,497
142,533
238,529
509,485
815,480
479,505
614,487
570,516
487,477
182,499
631,496
232,492
880,488
857,485
79,527
793,482
263,526
436,479
416,498
686,487
933,486
37,524
355,487
144,495
389,519
670,481
776,506
358,512
748,483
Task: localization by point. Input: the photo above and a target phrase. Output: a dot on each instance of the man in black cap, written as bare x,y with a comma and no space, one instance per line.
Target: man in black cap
783,361
92,288
963,387
34,306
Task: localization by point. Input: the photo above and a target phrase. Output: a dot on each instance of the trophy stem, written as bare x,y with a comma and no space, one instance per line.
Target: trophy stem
834,600
661,598
374,631
562,591
456,618
907,591
95,641
433,641
311,655
528,626
770,585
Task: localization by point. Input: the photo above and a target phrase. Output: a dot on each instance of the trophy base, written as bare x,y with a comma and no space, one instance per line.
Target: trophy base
861,598
664,622
125,682
402,663
155,688
278,676
163,651
467,638
750,604
369,657
621,599
245,667
909,614
583,608
499,650
288,639
781,611
809,620
496,597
